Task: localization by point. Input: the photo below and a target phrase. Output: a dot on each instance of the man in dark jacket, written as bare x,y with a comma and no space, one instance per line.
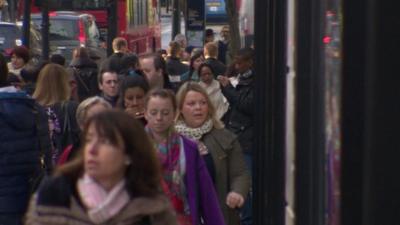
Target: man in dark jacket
211,54
114,61
239,92
175,68
84,71
24,139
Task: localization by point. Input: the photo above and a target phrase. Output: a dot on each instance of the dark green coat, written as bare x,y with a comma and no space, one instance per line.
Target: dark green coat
231,172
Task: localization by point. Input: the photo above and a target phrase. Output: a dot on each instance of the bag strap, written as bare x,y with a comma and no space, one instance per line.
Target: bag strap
67,121
76,72
41,147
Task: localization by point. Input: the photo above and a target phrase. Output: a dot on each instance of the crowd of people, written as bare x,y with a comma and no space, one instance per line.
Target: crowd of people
160,138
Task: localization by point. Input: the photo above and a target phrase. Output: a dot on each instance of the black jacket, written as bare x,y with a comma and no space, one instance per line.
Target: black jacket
85,75
240,119
175,66
113,63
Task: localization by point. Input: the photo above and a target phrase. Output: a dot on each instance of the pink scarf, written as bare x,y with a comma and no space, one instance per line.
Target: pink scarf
102,205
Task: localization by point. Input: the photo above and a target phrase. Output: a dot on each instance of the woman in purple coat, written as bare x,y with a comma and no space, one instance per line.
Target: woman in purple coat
190,188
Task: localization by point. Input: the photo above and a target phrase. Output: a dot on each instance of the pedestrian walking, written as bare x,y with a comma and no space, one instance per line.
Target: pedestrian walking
191,190
196,59
213,90
84,72
53,92
115,180
219,148
86,109
240,94
132,96
24,148
109,86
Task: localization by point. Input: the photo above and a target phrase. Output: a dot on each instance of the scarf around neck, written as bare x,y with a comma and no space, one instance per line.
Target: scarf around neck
194,133
101,205
172,160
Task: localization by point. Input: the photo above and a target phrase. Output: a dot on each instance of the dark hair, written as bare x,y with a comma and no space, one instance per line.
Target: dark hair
209,32
81,52
162,93
206,65
30,73
161,51
58,59
143,175
102,72
131,82
173,48
3,71
159,64
245,54
130,61
195,55
21,52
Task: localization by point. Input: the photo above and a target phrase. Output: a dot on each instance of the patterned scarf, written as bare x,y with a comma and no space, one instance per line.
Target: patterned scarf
169,156
196,133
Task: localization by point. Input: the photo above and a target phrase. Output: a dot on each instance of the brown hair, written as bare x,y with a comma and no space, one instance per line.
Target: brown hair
174,48
162,93
118,43
80,52
52,85
194,86
143,175
211,49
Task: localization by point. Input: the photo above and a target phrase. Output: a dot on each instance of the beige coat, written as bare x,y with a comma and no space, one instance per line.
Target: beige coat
231,171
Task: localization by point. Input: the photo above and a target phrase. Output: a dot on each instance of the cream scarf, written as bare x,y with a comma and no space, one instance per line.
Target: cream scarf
195,133
102,205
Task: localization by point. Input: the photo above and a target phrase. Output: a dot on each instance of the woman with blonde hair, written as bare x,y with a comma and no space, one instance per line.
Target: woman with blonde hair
86,109
190,187
53,92
219,148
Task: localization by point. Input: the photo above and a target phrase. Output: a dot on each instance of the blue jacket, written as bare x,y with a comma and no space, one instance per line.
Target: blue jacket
22,124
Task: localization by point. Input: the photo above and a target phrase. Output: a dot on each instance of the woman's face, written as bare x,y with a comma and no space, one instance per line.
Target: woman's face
197,62
194,109
134,99
206,75
103,161
159,114
17,62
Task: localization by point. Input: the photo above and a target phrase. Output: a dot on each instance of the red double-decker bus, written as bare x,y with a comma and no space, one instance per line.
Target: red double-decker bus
138,20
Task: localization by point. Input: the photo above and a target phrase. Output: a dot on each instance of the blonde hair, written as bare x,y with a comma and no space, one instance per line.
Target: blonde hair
52,85
194,86
83,107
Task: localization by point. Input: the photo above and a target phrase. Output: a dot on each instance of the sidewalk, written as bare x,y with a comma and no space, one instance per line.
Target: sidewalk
164,12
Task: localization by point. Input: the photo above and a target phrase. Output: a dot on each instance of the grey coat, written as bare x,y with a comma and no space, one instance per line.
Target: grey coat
231,173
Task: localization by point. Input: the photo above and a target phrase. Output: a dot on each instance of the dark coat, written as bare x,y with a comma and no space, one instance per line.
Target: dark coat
57,203
240,119
24,136
113,63
175,66
231,173
85,73
217,66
